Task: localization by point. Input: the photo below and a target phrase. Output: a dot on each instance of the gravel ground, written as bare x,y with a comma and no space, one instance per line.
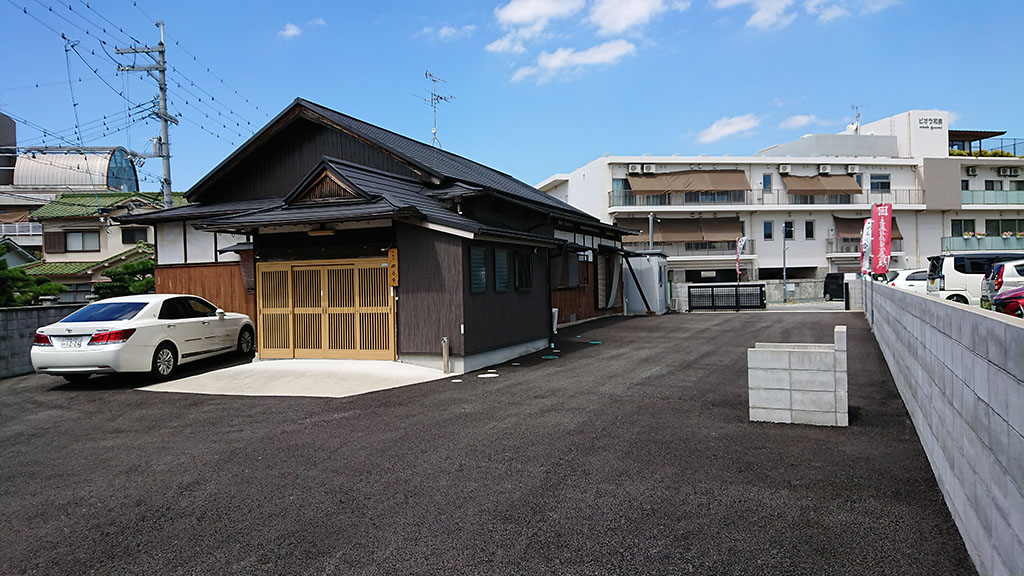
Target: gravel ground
632,456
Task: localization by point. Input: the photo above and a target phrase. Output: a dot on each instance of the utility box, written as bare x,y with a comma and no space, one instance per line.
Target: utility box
651,270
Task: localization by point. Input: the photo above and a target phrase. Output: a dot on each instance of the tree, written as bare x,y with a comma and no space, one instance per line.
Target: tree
127,279
17,288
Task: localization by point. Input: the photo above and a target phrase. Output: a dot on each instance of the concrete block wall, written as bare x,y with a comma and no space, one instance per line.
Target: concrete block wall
17,327
960,371
799,383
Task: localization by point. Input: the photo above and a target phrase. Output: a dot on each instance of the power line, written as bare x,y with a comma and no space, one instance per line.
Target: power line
80,80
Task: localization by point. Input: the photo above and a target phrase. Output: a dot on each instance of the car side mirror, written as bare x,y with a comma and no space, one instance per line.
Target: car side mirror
220,314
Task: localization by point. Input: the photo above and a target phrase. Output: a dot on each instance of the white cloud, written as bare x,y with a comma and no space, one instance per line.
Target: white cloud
727,126
289,31
617,16
826,10
767,13
527,19
447,33
876,6
799,121
953,117
317,22
569,60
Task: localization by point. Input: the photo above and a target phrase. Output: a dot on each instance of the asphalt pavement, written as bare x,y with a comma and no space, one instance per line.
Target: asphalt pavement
629,452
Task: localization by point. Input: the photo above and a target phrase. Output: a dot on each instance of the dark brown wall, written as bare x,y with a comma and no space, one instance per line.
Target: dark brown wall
359,243
221,284
429,291
8,142
582,300
278,165
496,319
497,212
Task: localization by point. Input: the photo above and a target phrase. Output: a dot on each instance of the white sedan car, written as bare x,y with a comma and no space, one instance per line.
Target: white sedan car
145,333
913,280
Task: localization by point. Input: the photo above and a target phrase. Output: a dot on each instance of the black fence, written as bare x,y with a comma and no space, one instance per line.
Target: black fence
726,297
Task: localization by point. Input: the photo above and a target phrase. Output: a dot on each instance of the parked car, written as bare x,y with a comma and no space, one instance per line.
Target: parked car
913,280
1010,302
956,276
1002,276
147,333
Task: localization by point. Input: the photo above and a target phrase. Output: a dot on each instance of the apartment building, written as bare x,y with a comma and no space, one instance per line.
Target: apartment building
950,190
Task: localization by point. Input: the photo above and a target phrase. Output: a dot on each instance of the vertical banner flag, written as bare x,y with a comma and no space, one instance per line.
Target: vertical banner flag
740,242
865,247
881,241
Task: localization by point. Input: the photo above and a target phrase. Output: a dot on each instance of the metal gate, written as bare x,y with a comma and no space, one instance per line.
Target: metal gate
726,297
336,309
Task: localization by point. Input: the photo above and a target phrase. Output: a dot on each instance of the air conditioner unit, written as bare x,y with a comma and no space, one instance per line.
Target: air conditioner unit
824,168
1004,171
784,168
972,171
852,169
1014,171
634,169
649,169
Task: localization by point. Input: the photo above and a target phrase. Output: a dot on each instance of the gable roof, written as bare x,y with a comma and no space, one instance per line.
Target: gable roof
140,251
79,205
439,167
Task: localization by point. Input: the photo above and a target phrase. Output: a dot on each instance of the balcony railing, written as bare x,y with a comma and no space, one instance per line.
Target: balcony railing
957,243
992,196
763,197
852,246
21,229
694,248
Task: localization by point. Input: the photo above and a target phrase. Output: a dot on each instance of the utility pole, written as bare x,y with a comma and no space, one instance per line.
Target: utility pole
785,285
160,67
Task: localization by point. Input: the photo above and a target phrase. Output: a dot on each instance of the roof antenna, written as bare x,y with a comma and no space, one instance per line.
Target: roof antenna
434,100
856,122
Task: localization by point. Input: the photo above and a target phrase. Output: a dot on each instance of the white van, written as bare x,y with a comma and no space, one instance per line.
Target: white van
957,276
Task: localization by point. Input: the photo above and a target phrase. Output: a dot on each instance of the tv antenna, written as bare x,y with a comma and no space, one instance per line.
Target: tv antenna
856,111
434,100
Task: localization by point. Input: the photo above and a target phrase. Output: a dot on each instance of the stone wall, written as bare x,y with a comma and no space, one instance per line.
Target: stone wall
960,371
17,327
799,383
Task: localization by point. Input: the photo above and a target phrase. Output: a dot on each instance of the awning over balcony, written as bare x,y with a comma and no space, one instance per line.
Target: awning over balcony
690,181
851,227
684,229
821,185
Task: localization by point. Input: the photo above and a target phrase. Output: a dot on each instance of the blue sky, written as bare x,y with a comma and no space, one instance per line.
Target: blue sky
539,87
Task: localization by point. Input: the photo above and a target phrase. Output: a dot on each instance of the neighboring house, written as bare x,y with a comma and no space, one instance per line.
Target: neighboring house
345,240
814,193
80,235
79,277
15,255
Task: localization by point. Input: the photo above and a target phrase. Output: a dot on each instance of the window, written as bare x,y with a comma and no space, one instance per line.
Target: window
134,235
965,184
622,194
565,271
993,184
860,180
175,309
766,182
82,241
961,227
106,312
787,229
500,270
477,269
809,229
768,225
524,270
200,308
997,227
880,182
1016,184
918,276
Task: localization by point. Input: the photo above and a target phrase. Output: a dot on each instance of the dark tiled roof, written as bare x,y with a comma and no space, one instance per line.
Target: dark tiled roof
198,211
77,205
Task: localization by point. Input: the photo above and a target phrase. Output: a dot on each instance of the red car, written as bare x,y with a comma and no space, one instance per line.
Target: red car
1011,302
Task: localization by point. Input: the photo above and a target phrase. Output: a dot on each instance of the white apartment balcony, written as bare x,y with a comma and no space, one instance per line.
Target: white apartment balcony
763,197
850,247
959,243
983,197
25,234
715,250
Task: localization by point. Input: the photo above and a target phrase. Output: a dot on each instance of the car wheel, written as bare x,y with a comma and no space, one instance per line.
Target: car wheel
246,342
165,361
76,378
828,297
957,298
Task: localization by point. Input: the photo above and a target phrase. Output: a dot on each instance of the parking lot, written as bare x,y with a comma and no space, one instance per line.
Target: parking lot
629,453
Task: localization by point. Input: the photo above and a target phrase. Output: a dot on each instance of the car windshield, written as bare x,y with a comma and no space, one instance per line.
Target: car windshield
106,312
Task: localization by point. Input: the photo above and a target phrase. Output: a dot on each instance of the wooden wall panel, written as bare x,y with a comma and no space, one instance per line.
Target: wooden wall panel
429,291
221,284
582,300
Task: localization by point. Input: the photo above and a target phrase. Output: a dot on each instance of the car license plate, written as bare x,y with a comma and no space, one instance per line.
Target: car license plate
71,342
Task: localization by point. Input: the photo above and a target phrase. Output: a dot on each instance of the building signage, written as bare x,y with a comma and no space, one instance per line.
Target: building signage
881,241
865,247
929,123
739,249
393,267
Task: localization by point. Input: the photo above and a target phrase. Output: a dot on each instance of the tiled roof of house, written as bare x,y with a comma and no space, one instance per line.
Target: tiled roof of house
140,251
78,205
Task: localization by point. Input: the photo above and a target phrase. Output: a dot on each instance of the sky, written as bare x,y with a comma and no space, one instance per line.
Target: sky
536,87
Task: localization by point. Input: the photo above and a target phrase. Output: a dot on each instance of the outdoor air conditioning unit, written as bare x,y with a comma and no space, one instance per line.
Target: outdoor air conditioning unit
972,171
649,169
784,168
634,169
1004,171
1014,171
852,169
824,168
